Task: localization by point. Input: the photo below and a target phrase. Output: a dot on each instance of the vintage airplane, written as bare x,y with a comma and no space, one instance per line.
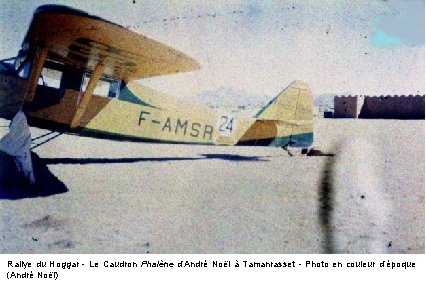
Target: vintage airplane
75,72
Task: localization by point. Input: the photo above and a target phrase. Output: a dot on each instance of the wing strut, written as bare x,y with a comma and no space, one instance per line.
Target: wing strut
38,63
85,98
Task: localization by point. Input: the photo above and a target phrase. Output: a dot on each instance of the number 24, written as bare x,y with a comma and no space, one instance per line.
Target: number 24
226,124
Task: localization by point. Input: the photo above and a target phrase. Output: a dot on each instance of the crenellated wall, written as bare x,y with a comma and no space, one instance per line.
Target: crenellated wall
394,107
347,106
385,107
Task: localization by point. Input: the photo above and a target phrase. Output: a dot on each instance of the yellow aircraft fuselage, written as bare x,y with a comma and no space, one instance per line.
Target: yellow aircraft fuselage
160,118
147,115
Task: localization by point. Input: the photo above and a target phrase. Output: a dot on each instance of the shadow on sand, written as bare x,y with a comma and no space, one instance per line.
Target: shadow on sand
236,158
13,184
319,153
86,161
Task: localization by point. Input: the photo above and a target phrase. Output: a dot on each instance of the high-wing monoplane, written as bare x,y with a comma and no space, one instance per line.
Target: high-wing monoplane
76,72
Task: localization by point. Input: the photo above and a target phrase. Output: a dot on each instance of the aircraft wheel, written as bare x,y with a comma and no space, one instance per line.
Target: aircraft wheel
292,151
298,151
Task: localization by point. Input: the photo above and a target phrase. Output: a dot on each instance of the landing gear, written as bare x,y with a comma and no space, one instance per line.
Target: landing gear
285,148
297,151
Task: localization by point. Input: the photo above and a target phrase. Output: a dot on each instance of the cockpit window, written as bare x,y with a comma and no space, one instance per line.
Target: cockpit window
50,78
19,65
106,87
7,66
23,66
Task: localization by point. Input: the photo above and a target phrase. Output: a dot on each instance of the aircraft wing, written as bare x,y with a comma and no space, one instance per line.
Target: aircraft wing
83,40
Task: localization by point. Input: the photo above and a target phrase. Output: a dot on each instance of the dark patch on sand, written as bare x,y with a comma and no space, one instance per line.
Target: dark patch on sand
63,244
47,222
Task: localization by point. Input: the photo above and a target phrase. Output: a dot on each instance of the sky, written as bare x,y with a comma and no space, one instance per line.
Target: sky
260,47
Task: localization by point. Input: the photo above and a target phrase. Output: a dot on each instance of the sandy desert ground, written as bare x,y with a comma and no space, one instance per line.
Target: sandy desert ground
100,196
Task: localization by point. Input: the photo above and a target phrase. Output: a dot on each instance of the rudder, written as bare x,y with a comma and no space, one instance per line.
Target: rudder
294,103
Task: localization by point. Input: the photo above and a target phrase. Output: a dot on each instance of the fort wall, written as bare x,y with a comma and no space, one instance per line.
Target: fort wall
347,106
394,107
384,107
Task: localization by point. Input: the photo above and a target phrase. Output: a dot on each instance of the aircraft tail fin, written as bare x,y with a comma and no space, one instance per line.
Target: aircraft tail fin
294,103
